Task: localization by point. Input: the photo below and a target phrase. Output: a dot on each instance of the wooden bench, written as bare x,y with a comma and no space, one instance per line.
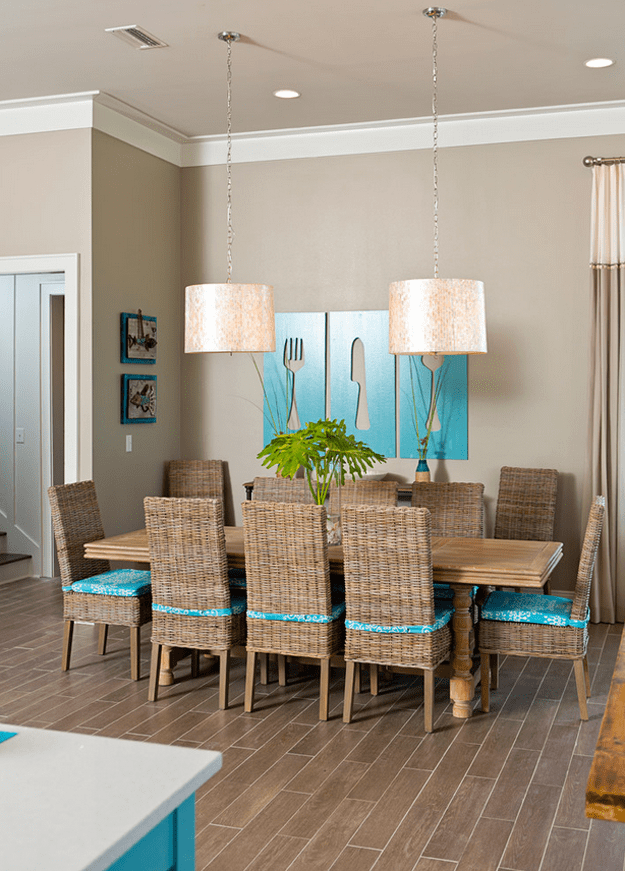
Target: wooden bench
605,792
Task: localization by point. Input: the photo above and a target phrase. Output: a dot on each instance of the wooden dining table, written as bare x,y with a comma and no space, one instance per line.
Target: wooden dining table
461,562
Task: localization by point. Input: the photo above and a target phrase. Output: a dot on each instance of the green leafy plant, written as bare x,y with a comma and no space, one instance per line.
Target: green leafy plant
419,399
325,450
277,406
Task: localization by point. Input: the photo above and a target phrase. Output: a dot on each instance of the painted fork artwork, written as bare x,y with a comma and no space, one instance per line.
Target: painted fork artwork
293,361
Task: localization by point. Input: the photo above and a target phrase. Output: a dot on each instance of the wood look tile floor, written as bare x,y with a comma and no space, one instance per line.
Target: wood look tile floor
502,791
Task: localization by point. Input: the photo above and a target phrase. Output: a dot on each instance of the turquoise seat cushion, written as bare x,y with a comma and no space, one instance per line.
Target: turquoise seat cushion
337,611
121,582
444,593
509,607
236,579
442,615
237,606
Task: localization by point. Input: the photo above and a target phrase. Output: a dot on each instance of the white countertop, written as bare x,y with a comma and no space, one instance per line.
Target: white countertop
71,802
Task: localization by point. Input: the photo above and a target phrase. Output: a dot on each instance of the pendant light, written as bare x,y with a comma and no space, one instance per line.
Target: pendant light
229,317
436,315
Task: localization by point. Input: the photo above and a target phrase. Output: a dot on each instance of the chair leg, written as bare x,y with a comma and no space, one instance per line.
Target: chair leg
224,678
580,680
102,637
428,699
135,646
373,679
485,663
324,689
586,676
494,671
281,670
264,668
68,634
348,700
250,677
195,663
155,668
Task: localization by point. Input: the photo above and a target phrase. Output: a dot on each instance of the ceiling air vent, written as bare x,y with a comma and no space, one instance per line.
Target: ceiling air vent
136,36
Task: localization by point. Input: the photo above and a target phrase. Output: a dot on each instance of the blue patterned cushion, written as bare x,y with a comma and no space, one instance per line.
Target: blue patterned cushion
236,579
337,610
237,606
444,592
121,582
442,616
530,608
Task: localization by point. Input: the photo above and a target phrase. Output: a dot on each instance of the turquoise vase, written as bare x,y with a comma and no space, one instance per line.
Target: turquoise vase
422,472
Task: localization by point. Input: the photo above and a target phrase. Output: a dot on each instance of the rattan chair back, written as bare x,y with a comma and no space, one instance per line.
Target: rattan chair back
187,552
588,558
76,520
196,479
278,489
286,558
361,492
388,565
457,509
526,504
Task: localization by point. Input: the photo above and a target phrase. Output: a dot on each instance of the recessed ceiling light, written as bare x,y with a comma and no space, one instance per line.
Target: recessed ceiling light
596,62
286,94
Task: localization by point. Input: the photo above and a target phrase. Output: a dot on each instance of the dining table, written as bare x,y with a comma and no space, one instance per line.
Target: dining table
463,563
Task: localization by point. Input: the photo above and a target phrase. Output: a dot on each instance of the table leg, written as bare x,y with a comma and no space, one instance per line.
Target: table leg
166,674
461,682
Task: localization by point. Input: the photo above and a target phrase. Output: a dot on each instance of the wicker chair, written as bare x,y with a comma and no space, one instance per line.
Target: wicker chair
196,479
457,509
526,504
522,624
280,489
290,610
193,606
391,618
361,492
91,591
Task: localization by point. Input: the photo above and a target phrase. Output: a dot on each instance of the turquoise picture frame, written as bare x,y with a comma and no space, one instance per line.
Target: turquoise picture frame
300,343
138,398
138,341
450,441
362,378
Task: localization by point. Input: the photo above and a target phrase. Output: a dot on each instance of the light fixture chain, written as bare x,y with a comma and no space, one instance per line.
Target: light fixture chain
229,159
435,135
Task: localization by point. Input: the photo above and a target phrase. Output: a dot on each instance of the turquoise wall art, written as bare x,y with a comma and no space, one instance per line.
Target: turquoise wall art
361,384
444,380
362,378
294,375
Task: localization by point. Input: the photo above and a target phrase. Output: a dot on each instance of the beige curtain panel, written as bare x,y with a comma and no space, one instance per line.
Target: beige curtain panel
606,456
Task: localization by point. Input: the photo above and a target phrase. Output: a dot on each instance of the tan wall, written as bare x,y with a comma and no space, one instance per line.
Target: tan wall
136,265
45,208
330,234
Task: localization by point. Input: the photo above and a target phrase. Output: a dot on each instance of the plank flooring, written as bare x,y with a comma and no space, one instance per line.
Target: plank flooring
503,791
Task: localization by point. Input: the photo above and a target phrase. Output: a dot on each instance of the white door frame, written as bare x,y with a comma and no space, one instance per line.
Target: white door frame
78,369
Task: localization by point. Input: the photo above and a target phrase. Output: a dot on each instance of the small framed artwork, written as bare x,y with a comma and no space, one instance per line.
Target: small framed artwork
138,398
138,338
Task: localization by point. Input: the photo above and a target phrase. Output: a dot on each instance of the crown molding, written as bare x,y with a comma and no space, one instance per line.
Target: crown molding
100,111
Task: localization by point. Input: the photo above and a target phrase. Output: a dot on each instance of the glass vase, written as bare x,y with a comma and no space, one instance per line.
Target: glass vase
422,472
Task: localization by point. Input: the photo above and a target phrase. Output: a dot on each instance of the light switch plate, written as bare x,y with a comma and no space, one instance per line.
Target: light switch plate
19,435
128,443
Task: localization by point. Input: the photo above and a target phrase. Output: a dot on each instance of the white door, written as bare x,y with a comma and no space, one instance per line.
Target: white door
31,362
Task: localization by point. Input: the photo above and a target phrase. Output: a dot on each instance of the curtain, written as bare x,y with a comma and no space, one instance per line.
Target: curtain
606,470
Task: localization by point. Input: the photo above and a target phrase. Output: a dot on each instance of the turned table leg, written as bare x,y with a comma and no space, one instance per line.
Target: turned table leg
461,682
166,675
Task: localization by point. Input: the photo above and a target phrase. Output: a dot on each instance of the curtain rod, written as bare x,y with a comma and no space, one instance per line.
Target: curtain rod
599,161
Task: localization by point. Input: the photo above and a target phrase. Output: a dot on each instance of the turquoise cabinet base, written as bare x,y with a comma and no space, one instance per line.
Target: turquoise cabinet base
170,846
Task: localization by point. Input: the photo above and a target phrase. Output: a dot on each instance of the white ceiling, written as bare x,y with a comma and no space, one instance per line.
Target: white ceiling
354,61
